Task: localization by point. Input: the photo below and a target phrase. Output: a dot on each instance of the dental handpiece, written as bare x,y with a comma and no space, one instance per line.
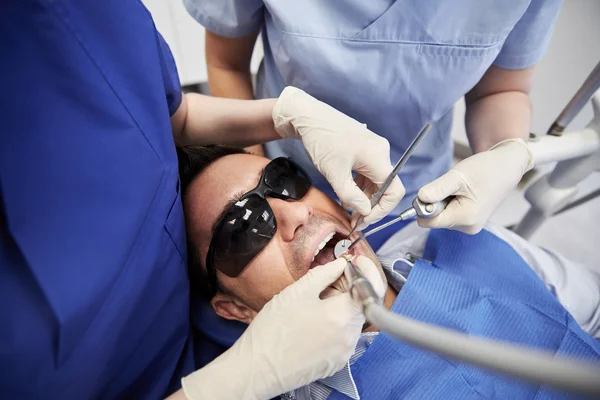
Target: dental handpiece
361,289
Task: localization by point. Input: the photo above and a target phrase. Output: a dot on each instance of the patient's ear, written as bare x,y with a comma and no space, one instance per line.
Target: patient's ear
229,307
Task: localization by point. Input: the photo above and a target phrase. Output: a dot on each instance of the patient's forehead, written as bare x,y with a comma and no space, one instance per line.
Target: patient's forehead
214,187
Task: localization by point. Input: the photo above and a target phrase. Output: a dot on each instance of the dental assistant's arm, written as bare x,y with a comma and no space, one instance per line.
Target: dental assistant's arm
203,120
497,121
228,66
499,108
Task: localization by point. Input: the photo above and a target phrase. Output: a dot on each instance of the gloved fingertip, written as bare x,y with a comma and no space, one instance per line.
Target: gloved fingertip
324,275
364,208
426,194
347,207
333,265
371,272
446,185
358,221
370,219
426,222
362,226
363,262
471,228
355,198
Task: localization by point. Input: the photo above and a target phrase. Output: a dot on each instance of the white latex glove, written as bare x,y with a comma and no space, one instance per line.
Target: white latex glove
297,338
338,145
479,183
371,273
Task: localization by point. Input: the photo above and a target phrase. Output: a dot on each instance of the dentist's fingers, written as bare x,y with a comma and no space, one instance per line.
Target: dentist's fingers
349,192
371,272
375,175
478,184
386,204
354,222
366,186
322,276
443,187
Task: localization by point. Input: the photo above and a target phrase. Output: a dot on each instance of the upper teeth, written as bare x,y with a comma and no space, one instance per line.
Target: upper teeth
323,243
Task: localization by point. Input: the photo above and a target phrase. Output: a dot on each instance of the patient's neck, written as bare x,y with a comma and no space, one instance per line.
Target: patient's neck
388,301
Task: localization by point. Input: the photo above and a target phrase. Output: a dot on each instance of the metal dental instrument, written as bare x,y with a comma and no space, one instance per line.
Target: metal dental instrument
388,181
418,209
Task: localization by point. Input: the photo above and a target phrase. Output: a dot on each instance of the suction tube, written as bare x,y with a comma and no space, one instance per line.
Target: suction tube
517,361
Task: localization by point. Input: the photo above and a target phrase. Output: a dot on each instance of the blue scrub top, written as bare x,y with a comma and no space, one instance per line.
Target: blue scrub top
94,297
393,65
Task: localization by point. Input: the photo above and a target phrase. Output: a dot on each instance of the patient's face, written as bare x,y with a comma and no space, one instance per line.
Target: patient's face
301,227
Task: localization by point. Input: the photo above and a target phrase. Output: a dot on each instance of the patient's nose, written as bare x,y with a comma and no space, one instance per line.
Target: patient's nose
290,216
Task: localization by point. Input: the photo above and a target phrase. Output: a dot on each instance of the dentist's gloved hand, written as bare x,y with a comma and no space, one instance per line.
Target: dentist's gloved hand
370,271
295,339
479,183
338,145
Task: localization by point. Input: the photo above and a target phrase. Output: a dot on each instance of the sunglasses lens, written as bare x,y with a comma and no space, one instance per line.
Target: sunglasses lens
286,179
249,225
245,230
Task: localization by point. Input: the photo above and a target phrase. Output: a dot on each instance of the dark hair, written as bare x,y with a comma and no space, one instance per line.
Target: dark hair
193,160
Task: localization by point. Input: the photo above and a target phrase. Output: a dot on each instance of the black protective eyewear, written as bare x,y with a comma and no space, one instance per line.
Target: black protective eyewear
249,225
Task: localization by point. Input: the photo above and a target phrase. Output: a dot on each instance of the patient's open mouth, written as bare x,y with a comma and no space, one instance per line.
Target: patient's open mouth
324,252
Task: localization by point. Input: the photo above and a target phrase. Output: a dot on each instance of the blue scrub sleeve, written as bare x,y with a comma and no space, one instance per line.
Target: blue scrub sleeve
527,42
170,75
228,18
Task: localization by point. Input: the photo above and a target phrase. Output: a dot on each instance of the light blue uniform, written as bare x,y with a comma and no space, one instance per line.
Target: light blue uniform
393,65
